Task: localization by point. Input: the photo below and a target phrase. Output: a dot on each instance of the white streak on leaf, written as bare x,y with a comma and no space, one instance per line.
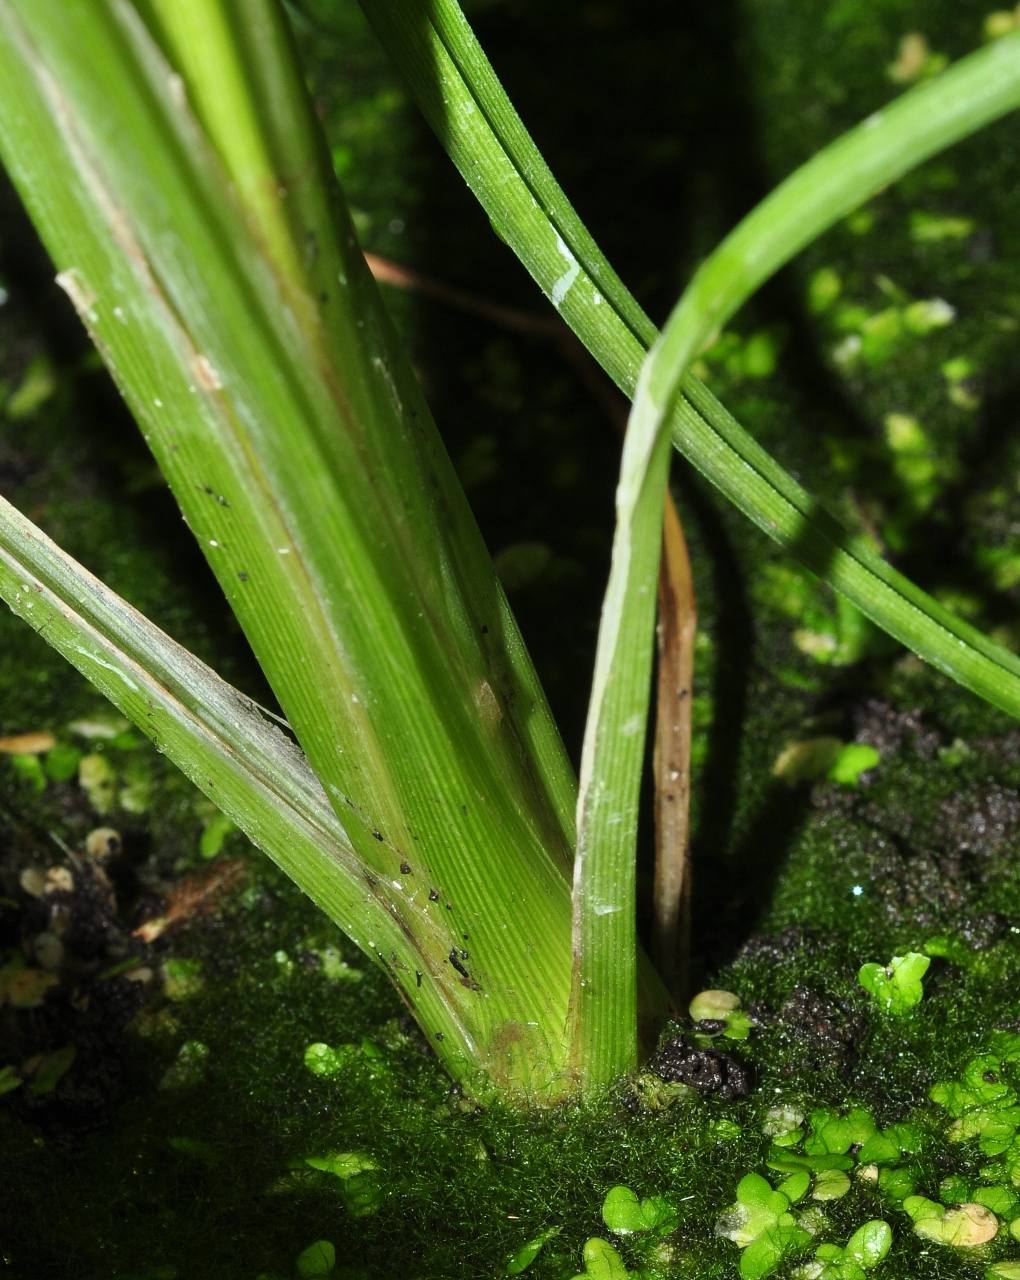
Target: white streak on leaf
109,667
563,285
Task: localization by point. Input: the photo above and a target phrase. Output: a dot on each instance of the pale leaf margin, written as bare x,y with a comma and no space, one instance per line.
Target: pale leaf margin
217,737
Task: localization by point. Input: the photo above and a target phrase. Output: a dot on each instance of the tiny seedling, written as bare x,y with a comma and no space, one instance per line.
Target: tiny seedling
721,1007
624,1214
602,1262
761,1225
865,1249
523,1257
832,1134
766,1253
757,1209
896,988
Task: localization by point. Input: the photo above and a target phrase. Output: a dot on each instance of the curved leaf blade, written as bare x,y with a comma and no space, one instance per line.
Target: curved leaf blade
461,97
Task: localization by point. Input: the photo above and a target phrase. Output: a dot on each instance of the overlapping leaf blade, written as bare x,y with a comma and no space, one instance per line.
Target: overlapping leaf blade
432,44
217,737
277,401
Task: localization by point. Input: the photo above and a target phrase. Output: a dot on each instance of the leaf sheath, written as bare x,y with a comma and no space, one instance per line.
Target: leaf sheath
275,397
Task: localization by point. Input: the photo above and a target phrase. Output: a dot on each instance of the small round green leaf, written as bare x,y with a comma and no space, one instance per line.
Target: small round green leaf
763,1255
879,1150
831,1184
796,1186
322,1060
713,1005
621,1212
318,1259
852,761
754,1190
602,1262
869,1244
658,1214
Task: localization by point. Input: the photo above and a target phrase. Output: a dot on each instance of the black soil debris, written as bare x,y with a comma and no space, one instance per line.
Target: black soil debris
825,1036
707,1070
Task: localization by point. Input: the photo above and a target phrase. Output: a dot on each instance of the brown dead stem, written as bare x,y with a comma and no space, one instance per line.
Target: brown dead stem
676,631
677,626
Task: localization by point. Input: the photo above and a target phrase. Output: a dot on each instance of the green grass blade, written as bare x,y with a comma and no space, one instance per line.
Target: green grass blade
516,189
215,735
784,510
460,96
467,55
294,435
478,126
883,148
975,91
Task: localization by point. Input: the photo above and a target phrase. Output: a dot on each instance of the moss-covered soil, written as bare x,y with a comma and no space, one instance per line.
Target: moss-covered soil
202,1078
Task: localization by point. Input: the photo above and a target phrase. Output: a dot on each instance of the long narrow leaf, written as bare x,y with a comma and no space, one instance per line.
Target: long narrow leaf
978,89
296,440
460,96
784,510
245,765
